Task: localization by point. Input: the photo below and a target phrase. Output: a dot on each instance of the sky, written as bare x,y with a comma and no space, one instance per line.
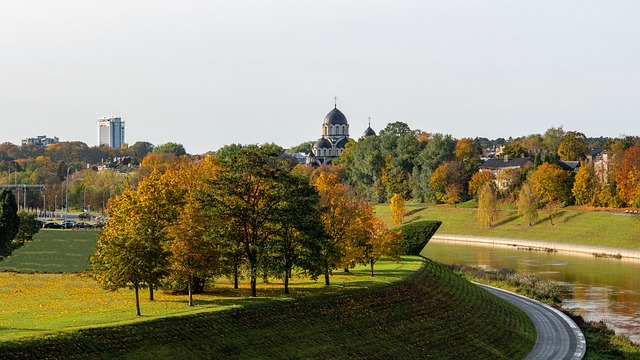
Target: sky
210,73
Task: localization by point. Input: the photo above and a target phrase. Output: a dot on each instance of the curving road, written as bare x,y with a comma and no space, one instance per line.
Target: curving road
558,336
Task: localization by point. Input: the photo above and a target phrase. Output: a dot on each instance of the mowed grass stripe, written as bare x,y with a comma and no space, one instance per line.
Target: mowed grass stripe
412,318
54,251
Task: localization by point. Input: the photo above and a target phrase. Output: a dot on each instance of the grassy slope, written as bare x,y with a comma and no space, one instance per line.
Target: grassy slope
570,225
430,313
54,251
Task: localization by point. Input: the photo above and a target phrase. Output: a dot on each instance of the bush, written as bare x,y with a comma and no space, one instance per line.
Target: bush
416,235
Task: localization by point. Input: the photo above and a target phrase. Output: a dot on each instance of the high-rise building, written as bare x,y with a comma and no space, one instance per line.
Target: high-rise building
111,132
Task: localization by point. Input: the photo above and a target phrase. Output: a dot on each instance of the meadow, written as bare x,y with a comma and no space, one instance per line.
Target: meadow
429,312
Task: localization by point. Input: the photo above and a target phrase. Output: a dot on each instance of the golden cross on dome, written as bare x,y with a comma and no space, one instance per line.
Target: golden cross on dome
369,121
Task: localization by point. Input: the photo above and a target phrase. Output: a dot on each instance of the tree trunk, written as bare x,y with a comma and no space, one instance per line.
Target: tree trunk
286,284
151,292
372,262
326,276
190,293
254,280
135,286
235,275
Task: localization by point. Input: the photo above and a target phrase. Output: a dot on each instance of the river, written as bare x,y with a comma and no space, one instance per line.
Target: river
596,288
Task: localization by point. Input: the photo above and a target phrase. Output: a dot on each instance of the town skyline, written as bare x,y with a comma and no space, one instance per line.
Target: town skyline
207,75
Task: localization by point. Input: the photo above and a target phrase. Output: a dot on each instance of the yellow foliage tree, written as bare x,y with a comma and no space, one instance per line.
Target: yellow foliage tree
397,209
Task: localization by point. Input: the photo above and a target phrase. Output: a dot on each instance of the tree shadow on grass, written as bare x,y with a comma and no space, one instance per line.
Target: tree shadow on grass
506,220
409,213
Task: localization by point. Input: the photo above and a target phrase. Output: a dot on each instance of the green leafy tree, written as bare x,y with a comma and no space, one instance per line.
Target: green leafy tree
27,229
552,138
9,220
247,196
171,148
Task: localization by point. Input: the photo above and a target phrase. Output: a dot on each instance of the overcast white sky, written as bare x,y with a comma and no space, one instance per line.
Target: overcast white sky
210,73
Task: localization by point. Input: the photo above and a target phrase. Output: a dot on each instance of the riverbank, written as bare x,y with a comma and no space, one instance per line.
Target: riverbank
545,246
570,225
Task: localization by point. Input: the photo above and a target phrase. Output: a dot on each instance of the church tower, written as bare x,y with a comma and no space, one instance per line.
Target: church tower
335,135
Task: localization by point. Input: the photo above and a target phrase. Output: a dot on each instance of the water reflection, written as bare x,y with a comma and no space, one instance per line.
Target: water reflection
596,288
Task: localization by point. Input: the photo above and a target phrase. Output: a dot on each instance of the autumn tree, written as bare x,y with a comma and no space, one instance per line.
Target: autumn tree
447,181
551,183
573,146
527,204
478,180
380,242
585,185
339,213
397,209
487,205
628,176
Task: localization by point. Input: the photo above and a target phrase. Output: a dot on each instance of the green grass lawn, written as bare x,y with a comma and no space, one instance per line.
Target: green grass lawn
431,312
54,251
570,225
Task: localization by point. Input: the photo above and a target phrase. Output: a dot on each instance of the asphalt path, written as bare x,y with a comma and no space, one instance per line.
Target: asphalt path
558,336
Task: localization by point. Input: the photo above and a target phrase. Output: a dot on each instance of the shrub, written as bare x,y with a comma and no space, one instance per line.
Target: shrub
417,234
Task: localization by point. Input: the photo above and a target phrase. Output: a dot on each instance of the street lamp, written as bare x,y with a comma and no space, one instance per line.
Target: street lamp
67,206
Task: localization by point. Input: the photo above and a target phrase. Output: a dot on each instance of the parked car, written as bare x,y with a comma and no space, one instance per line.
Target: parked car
67,224
82,225
83,216
52,225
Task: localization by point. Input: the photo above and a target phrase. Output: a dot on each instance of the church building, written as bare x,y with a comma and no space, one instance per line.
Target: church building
335,135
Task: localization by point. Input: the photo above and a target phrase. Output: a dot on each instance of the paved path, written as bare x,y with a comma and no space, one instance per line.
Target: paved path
558,336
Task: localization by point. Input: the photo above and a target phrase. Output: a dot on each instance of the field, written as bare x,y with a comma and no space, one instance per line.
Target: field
430,312
54,251
571,225
42,304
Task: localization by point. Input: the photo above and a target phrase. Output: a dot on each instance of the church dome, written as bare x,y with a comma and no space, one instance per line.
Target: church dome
369,132
322,144
342,143
335,117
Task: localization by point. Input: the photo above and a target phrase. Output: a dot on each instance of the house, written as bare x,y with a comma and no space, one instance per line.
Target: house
501,167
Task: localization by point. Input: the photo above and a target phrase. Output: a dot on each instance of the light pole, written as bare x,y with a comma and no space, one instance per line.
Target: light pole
67,206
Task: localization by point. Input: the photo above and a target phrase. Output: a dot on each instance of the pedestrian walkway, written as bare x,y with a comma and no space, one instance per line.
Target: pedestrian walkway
558,336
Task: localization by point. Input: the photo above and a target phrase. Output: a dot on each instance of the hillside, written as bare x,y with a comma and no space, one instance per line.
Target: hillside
431,313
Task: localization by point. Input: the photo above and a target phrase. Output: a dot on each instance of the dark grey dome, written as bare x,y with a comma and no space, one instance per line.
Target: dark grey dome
369,132
342,143
322,144
335,117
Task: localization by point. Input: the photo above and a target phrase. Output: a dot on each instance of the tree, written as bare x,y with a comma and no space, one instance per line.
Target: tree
340,210
118,260
478,180
552,183
527,204
28,227
397,209
247,196
573,146
9,220
447,181
487,205
171,148
628,176
552,138
381,242
585,185
514,149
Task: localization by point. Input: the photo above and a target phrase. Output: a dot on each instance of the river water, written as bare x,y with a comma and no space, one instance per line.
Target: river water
596,288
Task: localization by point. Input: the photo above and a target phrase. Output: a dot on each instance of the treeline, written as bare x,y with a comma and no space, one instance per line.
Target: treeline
437,168
248,213
51,165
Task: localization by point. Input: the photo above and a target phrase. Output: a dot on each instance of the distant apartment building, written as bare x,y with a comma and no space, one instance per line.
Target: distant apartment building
41,141
111,132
